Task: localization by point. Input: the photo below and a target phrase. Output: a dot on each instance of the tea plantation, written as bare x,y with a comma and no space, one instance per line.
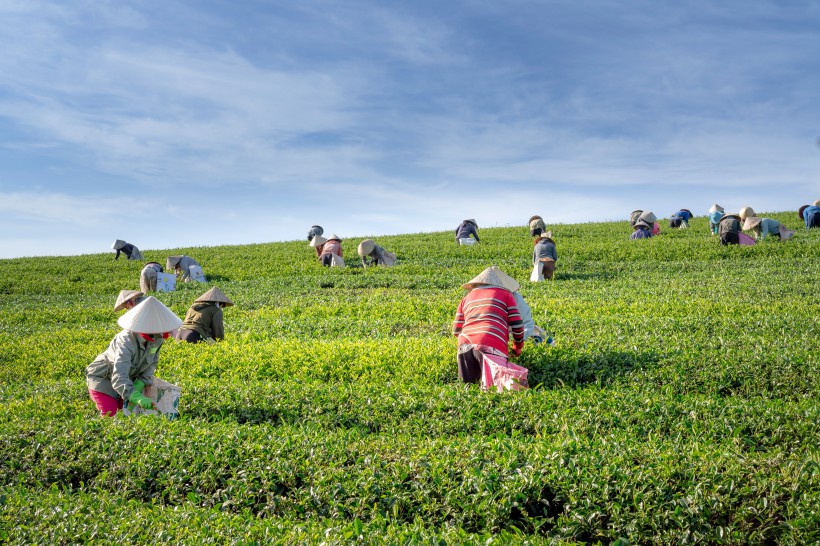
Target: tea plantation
680,405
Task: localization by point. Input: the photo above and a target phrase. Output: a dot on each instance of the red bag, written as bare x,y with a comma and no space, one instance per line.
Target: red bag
497,371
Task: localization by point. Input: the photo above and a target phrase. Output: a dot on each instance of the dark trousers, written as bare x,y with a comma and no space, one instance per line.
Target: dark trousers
327,259
548,268
730,238
470,364
191,336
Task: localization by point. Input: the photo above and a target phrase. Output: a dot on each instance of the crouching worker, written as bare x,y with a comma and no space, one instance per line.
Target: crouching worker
810,214
377,255
729,229
148,277
641,230
203,321
544,257
715,214
765,227
131,252
537,226
128,365
680,219
483,322
128,299
331,252
465,230
185,267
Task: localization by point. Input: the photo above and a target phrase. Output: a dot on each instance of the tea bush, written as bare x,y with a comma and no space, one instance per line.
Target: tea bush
679,405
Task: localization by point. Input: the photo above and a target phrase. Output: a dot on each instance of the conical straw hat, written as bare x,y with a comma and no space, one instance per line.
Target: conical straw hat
641,223
487,277
745,212
716,208
816,203
536,217
118,244
317,241
751,222
214,295
648,217
366,247
172,262
150,317
334,237
471,221
506,281
124,296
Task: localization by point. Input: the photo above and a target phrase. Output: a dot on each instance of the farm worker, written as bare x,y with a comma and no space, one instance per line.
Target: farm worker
680,219
148,277
746,212
203,321
651,220
642,230
182,266
378,256
634,216
544,253
318,242
537,226
715,214
810,214
465,230
483,321
729,229
128,299
131,252
314,231
332,251
128,365
764,227
531,330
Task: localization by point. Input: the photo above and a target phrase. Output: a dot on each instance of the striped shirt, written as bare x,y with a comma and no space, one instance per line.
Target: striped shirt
485,316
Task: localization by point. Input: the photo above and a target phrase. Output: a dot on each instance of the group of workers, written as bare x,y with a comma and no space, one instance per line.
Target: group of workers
329,250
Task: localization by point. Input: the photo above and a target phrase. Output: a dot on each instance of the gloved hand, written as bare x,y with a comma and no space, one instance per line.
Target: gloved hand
142,401
517,347
139,385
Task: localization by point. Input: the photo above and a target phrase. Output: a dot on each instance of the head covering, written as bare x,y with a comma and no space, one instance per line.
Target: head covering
214,295
126,296
536,217
731,216
641,224
800,211
488,277
716,208
470,221
317,228
334,237
816,203
506,281
745,212
172,262
317,241
150,317
118,244
751,222
648,217
366,247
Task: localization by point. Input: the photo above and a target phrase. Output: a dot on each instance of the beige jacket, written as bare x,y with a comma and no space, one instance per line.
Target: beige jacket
129,357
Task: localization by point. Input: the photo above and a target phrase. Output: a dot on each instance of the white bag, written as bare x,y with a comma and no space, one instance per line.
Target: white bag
467,241
196,273
336,261
165,397
537,273
166,282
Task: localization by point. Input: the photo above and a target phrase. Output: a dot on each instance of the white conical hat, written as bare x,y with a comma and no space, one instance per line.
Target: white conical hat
316,241
745,212
150,317
816,203
506,281
124,296
716,208
214,295
648,217
366,247
488,277
172,262
118,244
333,236
751,222
470,221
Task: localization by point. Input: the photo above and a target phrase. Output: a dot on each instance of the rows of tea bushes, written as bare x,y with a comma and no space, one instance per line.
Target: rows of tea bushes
680,405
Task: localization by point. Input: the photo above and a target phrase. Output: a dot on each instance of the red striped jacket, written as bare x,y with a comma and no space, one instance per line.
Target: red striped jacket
485,316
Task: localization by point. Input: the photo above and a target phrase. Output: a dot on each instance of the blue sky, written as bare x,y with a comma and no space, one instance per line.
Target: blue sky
205,122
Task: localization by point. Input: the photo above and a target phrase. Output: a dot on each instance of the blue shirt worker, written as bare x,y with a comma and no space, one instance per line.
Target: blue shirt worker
715,214
810,214
680,219
642,231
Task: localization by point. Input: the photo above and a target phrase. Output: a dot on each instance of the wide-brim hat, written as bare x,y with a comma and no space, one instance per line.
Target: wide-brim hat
214,295
745,212
715,208
648,217
751,222
641,223
506,281
470,221
488,277
118,244
816,203
172,261
150,317
317,241
366,247
731,216
124,297
800,211
334,237
536,217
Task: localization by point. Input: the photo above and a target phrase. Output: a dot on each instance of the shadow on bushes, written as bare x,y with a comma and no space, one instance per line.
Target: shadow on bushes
551,367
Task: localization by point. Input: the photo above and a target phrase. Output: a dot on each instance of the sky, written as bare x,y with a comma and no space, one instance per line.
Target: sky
176,123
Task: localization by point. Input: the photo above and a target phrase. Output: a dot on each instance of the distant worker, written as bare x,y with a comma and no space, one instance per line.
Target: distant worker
483,321
765,227
131,252
537,226
641,230
148,277
128,365
729,229
715,214
318,243
186,267
465,230
203,321
331,253
545,255
746,212
651,220
634,216
128,299
314,231
680,219
810,214
377,255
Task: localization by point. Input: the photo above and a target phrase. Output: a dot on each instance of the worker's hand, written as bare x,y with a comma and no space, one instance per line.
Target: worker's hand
139,385
142,401
517,347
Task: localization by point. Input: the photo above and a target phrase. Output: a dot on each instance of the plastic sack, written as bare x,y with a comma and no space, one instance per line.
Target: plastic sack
537,274
166,282
196,274
337,261
467,241
745,240
785,233
498,372
164,395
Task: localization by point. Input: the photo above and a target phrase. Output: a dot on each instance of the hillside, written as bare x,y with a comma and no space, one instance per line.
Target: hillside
679,406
